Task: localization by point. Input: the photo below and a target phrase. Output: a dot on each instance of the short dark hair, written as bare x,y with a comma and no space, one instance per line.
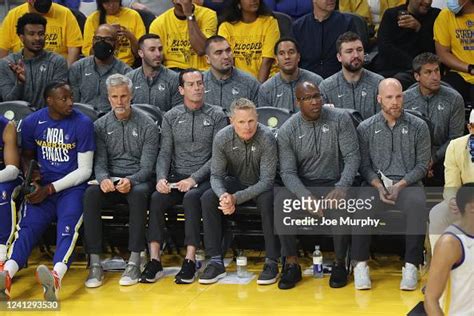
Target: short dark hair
285,39
346,38
143,38
423,59
53,85
465,196
185,71
29,18
214,39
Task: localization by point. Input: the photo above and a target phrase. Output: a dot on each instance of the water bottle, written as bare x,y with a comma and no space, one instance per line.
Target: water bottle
241,266
200,257
317,263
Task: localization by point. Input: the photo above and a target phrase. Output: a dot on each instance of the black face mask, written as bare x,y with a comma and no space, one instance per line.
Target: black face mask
103,50
43,6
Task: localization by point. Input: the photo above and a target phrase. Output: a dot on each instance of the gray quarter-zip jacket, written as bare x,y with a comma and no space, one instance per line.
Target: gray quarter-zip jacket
88,81
39,71
402,152
360,95
325,149
222,92
186,144
252,162
445,109
279,93
161,91
126,148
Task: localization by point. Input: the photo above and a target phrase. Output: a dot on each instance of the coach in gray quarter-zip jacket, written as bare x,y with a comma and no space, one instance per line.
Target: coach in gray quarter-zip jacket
279,91
153,83
397,144
128,145
317,147
24,75
87,76
184,160
443,106
353,87
243,168
223,82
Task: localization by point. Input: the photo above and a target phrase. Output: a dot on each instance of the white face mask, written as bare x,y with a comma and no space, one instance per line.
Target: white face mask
454,6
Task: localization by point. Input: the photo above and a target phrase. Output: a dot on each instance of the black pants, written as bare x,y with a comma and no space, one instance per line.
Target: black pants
95,200
340,238
213,217
412,202
192,213
458,83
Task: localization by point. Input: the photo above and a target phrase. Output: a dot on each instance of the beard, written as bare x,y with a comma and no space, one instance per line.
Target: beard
351,68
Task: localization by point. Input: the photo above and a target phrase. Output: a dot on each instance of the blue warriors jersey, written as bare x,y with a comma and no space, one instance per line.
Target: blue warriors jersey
57,142
3,124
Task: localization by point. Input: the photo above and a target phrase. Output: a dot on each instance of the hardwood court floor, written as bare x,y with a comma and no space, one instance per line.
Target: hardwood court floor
310,296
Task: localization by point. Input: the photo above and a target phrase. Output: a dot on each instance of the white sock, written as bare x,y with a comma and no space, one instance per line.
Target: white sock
361,264
12,267
60,269
408,264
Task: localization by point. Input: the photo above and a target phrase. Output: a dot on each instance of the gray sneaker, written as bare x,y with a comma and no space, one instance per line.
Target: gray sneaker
131,275
212,273
269,274
50,282
409,277
362,278
95,277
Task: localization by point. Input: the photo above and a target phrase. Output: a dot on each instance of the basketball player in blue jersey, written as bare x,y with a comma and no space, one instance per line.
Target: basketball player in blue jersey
452,266
61,140
9,163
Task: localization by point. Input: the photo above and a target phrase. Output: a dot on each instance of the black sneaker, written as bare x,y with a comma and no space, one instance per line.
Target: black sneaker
269,274
338,277
290,275
153,271
212,273
187,273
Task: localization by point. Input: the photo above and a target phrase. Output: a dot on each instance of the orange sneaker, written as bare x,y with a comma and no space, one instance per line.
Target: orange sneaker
50,282
5,285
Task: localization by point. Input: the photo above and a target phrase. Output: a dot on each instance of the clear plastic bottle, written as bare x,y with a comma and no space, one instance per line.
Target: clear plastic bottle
241,265
200,257
317,263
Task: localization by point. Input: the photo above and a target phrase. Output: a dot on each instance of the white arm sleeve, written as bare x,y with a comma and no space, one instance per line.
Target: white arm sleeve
78,176
10,173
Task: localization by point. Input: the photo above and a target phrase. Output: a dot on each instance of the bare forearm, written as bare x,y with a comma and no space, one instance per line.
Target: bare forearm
265,68
72,55
196,37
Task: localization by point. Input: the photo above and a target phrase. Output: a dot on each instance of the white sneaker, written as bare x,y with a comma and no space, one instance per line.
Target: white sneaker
409,277
362,277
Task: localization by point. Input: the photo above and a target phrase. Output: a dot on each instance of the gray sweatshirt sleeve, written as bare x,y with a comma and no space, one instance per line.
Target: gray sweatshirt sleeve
75,81
60,69
366,169
423,155
218,166
268,165
203,173
148,157
254,93
176,97
166,150
264,97
100,157
456,127
349,147
289,166
10,87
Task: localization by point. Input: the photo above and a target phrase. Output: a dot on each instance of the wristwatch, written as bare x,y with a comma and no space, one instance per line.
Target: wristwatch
191,17
470,68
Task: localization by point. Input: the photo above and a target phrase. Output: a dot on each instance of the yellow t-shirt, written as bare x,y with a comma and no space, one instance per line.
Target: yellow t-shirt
251,42
457,33
174,35
127,18
62,30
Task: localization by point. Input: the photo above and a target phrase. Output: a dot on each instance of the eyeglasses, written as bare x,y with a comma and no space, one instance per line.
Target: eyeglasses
316,97
103,38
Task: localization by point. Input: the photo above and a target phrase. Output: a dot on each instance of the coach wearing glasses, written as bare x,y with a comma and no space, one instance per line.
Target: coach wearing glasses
87,76
318,148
